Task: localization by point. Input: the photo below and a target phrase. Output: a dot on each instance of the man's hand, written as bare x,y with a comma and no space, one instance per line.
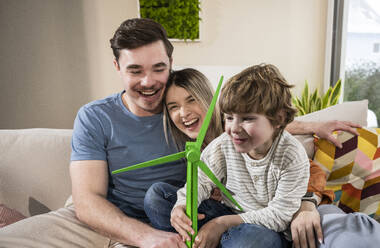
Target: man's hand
325,129
209,235
182,223
161,239
306,222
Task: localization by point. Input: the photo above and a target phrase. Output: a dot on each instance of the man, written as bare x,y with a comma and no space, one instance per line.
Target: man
109,134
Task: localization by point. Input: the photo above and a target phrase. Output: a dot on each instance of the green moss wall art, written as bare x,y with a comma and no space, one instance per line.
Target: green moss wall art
180,18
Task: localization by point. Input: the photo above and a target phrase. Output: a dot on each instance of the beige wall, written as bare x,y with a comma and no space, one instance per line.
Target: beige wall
55,54
289,34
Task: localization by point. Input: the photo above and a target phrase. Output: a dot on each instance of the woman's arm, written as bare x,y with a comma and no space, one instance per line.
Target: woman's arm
323,129
317,183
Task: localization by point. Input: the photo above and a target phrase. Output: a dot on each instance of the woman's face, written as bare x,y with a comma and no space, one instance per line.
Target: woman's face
184,111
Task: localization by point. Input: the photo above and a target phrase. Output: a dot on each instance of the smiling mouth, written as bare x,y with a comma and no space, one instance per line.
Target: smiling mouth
191,123
148,92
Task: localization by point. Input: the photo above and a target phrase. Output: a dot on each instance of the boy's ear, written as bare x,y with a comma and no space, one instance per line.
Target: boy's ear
281,117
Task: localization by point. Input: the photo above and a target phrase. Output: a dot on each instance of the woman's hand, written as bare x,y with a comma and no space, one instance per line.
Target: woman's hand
322,129
325,130
305,223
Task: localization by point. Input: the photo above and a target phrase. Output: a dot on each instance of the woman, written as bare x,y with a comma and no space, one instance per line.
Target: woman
188,95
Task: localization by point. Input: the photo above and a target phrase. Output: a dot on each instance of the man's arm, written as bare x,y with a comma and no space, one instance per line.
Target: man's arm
322,129
89,187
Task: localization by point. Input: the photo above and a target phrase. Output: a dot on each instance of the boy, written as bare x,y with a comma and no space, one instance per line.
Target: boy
264,167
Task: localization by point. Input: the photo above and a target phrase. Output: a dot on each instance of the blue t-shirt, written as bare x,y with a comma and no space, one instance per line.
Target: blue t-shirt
106,130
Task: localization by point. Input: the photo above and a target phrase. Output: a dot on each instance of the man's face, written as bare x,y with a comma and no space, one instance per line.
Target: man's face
144,72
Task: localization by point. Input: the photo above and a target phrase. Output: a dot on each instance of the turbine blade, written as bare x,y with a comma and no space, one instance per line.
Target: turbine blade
206,121
157,161
215,180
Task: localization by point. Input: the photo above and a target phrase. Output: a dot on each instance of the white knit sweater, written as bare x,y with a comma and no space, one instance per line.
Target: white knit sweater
269,190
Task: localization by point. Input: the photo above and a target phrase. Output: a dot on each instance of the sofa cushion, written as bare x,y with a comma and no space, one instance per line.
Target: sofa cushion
353,172
355,111
9,216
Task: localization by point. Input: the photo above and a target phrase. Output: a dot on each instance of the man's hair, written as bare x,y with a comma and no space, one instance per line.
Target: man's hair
199,87
137,32
259,89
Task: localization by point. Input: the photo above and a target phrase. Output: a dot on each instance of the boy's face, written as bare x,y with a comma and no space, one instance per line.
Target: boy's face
144,72
250,133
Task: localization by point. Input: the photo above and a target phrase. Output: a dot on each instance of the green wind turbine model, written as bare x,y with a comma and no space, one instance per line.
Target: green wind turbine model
192,153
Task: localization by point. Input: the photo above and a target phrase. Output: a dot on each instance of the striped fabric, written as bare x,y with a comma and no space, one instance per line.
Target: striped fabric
9,216
353,172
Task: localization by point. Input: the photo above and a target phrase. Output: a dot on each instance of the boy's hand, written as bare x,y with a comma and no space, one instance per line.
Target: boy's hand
182,223
211,232
209,235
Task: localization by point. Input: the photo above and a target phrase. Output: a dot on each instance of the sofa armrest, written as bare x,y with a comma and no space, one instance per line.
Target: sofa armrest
34,169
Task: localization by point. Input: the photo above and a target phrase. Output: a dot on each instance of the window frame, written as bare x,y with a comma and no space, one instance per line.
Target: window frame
336,34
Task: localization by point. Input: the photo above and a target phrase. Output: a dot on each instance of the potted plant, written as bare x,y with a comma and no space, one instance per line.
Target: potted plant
310,102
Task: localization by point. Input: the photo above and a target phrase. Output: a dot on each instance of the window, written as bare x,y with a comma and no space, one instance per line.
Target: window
355,50
376,47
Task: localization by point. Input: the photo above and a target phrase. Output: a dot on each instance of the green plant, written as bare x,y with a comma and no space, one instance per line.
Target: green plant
310,102
179,18
362,82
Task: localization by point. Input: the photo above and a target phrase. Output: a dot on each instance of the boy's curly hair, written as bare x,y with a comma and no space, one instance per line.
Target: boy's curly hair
259,89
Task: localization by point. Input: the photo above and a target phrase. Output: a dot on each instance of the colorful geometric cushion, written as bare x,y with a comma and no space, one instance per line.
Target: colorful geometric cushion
353,172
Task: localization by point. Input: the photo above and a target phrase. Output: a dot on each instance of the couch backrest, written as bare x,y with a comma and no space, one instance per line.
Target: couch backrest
34,169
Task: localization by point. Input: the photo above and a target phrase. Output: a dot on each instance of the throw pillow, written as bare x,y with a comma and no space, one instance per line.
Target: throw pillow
355,111
353,172
9,216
